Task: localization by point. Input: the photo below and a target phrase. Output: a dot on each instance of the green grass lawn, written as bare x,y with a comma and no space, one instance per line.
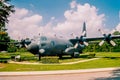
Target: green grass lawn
108,54
28,55
106,60
100,63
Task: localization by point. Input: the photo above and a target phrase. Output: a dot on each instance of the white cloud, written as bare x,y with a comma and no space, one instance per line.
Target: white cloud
20,13
22,24
26,24
76,17
73,4
34,19
118,27
52,18
31,5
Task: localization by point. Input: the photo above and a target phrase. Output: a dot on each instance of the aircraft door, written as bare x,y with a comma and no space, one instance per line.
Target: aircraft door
52,43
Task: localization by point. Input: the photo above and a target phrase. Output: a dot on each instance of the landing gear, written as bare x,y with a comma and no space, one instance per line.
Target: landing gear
60,56
75,55
72,55
39,56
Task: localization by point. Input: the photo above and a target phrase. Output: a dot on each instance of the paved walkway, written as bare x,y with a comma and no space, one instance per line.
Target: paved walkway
106,75
37,63
83,74
81,61
57,72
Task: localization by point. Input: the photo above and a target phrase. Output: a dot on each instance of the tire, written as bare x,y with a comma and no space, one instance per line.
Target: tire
60,56
72,55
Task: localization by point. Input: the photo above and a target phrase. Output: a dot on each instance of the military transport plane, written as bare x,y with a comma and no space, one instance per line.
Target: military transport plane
59,47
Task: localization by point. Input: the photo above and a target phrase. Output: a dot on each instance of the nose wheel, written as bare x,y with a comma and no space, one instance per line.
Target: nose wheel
60,56
75,55
39,56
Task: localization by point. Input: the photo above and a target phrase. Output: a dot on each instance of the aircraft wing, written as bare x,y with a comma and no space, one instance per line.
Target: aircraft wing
74,41
86,39
101,38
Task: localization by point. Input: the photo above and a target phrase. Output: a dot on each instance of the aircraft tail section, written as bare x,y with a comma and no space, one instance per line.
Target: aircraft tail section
84,30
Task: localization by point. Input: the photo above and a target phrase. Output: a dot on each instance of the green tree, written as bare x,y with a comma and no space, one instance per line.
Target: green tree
116,33
117,41
5,10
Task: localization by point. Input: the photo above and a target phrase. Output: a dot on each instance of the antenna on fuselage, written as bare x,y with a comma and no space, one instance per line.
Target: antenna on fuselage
72,34
55,35
39,34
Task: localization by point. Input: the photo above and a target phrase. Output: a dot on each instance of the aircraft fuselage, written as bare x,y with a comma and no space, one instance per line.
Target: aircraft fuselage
53,47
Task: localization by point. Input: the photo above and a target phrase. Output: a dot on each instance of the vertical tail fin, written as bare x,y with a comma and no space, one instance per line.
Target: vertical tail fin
84,29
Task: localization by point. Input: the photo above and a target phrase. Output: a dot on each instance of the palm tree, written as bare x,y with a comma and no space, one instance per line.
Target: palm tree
5,10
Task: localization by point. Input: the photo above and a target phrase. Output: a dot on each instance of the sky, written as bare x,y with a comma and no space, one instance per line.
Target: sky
63,18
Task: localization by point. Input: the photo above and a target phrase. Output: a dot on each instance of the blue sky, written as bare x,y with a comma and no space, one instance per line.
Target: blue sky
49,8
106,12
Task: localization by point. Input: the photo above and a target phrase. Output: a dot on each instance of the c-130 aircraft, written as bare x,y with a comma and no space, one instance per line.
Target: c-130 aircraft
59,47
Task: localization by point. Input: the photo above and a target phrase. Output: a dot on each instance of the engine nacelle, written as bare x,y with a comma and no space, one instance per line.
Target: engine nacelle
33,48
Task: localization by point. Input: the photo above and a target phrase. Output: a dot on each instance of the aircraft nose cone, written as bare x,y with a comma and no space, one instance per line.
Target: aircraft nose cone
33,48
41,50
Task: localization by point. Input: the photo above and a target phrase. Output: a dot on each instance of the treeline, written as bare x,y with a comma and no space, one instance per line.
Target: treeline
94,47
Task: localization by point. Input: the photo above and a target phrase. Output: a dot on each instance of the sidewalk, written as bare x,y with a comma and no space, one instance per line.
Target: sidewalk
37,63
56,72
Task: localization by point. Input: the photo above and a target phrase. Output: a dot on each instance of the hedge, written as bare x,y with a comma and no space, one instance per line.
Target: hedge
50,59
4,60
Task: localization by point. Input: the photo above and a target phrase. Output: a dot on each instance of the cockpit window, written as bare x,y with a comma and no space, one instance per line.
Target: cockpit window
43,44
43,39
52,43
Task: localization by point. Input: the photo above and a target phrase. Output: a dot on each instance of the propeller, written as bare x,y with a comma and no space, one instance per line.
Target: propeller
23,43
76,45
81,40
108,38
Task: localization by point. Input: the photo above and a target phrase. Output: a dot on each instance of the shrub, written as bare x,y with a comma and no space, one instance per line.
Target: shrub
22,50
50,59
4,60
12,48
28,58
91,55
13,56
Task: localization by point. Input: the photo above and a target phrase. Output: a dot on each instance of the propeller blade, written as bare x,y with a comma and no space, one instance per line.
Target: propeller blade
76,45
101,31
112,42
26,45
20,46
68,49
112,31
83,33
85,43
101,43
